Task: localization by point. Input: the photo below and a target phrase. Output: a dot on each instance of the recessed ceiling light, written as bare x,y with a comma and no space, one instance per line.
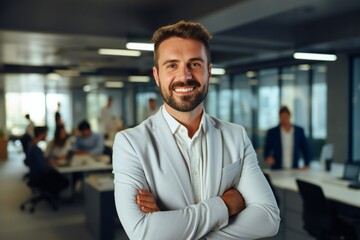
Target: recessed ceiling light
315,56
114,84
217,71
139,79
140,46
119,52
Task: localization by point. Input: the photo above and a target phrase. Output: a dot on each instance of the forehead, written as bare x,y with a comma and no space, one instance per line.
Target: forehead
284,114
176,47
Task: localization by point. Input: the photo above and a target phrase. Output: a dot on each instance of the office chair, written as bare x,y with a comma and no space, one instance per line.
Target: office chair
321,221
25,141
45,184
39,193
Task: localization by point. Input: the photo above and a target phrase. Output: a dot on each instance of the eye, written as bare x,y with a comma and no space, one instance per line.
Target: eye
195,65
171,65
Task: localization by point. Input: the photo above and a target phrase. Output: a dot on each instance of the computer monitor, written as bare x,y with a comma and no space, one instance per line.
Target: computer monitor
351,172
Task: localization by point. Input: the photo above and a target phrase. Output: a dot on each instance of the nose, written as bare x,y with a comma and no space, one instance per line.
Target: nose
185,73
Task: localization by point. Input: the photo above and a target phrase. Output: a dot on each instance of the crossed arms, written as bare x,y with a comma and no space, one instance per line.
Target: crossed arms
220,217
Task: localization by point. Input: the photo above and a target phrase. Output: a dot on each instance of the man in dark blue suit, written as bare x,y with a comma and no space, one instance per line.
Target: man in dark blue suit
284,143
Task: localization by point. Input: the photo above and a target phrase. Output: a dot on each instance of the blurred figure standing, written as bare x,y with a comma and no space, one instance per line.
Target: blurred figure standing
284,144
152,107
106,119
30,126
58,119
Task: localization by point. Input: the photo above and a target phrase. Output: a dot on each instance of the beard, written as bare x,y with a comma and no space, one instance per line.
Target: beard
186,103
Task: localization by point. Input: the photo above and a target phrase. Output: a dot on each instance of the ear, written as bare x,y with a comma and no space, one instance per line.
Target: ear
210,67
156,75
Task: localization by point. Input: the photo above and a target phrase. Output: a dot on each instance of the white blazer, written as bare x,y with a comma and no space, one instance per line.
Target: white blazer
148,157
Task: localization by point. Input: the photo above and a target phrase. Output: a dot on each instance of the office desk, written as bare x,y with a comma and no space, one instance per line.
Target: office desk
83,164
333,188
290,202
100,206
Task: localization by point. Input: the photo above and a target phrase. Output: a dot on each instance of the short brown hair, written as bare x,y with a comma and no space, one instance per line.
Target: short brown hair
182,29
284,109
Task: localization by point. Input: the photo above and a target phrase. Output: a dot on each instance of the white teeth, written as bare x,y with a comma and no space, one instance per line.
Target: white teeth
184,89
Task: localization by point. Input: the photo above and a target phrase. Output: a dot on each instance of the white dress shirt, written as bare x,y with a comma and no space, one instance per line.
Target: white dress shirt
194,151
287,145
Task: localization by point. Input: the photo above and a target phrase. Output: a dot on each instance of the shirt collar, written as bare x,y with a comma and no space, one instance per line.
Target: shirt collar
291,131
174,124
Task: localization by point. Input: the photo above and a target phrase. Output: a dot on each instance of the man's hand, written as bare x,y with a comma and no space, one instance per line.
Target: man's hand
234,201
146,201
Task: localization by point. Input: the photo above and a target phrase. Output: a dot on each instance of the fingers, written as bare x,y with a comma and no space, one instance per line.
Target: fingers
234,201
146,201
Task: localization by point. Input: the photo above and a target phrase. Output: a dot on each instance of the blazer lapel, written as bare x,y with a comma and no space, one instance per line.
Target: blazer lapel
173,155
215,157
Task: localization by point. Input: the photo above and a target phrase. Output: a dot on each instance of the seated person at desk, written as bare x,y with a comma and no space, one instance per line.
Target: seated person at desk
284,143
41,171
57,149
88,143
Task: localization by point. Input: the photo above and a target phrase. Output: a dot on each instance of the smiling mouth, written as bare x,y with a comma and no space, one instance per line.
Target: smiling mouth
184,89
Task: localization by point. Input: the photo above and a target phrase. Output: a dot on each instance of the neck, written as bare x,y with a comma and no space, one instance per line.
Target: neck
191,120
36,140
287,127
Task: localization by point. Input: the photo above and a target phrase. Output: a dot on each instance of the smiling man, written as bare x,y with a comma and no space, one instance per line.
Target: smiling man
182,174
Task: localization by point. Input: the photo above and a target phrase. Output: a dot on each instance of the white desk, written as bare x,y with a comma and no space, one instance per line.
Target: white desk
85,164
290,202
332,187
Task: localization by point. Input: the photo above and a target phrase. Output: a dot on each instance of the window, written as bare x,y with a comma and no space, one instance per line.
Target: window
243,102
295,94
95,102
225,99
211,101
355,131
19,104
52,100
319,93
268,102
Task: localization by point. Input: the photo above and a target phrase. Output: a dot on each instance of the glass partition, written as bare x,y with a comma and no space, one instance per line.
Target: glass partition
295,94
355,131
225,98
243,100
268,102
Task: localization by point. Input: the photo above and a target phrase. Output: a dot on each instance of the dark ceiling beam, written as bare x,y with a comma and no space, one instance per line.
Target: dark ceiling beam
245,12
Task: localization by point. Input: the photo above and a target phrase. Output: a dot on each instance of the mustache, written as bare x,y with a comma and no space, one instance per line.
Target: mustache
188,83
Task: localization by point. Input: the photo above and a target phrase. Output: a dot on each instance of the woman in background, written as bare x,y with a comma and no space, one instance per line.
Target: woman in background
58,148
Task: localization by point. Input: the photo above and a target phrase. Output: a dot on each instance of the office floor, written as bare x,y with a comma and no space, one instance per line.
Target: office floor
66,223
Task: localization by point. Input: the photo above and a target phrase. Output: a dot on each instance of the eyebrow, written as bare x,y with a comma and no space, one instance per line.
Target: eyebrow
176,60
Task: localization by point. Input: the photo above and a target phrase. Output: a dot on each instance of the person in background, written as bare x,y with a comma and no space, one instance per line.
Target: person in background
41,170
30,126
87,142
106,121
284,144
152,107
58,149
58,119
181,173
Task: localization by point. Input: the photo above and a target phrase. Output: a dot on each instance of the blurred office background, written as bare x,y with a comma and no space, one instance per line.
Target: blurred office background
49,53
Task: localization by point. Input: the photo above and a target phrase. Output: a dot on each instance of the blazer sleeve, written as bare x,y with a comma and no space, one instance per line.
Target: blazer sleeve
191,222
268,149
304,147
261,217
